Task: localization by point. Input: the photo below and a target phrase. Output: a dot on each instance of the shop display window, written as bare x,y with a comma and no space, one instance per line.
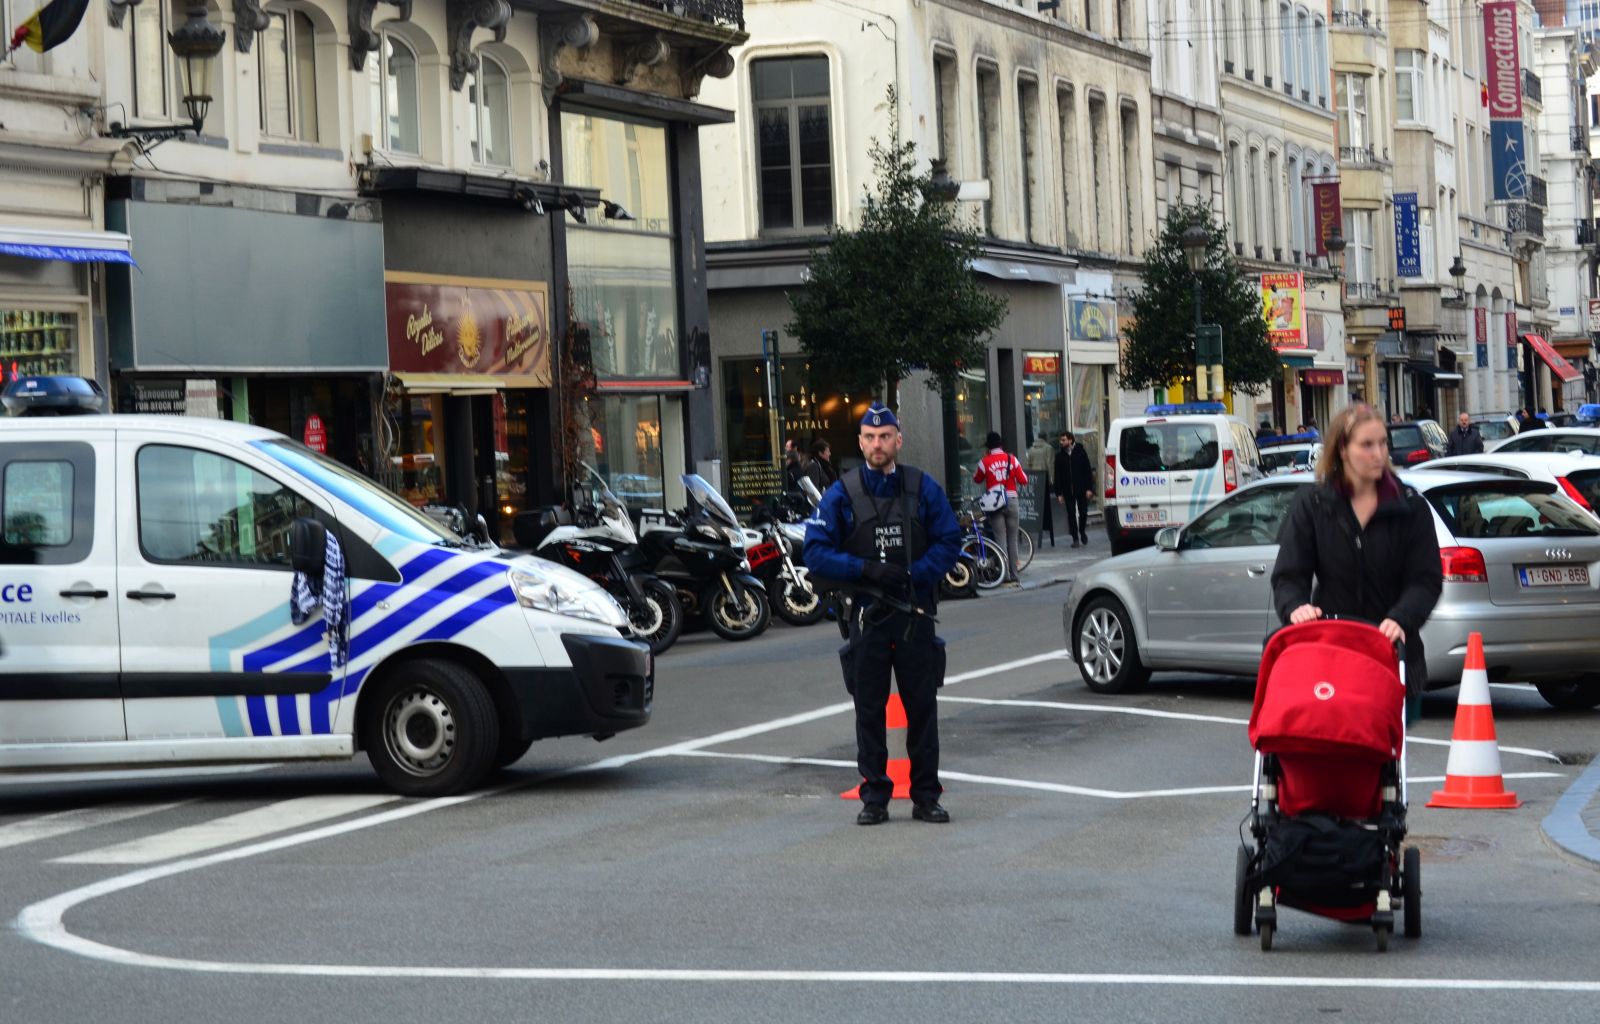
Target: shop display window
623,444
417,472
37,342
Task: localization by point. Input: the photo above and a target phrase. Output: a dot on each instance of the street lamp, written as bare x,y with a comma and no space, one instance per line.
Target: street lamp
1458,270
1196,240
196,43
1335,246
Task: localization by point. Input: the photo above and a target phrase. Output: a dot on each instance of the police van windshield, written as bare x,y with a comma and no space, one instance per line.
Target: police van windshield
386,508
1172,445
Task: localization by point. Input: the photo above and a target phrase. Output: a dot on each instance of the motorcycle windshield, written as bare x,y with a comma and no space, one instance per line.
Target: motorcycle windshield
809,489
609,506
706,496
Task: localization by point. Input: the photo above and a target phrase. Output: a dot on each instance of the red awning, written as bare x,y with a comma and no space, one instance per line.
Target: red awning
1322,378
1564,370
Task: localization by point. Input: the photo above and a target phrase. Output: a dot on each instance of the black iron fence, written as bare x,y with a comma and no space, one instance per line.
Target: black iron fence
1525,219
723,12
1538,192
1579,136
1531,87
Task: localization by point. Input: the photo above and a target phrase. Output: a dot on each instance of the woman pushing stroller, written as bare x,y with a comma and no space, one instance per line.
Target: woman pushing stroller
1361,544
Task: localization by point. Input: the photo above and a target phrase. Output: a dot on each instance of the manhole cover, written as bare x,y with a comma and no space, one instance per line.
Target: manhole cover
1446,847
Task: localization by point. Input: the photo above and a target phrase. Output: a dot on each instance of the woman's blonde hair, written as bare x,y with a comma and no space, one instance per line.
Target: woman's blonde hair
1330,467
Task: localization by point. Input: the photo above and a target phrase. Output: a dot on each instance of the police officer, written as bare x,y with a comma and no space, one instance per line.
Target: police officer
887,532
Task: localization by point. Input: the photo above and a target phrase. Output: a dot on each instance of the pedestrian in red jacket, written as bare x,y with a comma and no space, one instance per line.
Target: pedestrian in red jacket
1000,474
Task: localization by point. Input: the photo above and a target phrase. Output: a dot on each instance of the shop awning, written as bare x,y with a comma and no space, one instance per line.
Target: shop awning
68,246
1447,380
456,383
1318,378
1563,370
1297,360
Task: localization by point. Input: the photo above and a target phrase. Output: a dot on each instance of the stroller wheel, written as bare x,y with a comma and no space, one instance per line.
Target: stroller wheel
1243,912
1266,937
1411,891
1383,932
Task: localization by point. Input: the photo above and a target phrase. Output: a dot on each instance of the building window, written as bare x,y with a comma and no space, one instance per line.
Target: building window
1071,187
147,39
1088,14
989,167
1286,47
623,444
1360,249
37,342
1410,86
793,142
1263,36
287,58
392,87
1032,170
1239,222
623,274
1100,171
1230,32
1124,19
1132,194
1275,206
1354,132
1302,35
1297,209
945,105
489,92
1321,71
1258,194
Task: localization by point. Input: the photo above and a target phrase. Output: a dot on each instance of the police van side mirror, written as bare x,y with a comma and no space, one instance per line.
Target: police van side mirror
1167,538
308,547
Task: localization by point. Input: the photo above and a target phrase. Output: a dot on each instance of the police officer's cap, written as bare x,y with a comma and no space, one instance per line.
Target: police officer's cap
879,416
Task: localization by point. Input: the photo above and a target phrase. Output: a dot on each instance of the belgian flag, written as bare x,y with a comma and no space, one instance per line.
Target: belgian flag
50,26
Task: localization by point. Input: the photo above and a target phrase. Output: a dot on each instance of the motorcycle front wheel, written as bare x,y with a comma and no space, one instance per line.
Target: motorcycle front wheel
798,604
960,581
658,621
742,619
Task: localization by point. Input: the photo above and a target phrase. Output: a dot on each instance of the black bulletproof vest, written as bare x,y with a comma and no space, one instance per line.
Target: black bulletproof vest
883,525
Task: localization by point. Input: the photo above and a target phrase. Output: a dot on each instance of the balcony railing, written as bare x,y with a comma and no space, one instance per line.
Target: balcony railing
1538,192
1354,19
723,12
1363,291
1579,136
1360,156
1531,87
1586,233
1525,219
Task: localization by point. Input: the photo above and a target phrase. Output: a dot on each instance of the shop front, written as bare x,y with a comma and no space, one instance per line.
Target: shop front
206,326
471,364
1548,376
48,299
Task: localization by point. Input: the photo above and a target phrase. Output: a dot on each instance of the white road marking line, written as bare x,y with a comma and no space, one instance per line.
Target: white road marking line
42,922
132,774
1056,787
1187,717
234,828
49,826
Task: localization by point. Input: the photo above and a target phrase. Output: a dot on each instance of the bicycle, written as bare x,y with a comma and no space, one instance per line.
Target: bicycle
985,550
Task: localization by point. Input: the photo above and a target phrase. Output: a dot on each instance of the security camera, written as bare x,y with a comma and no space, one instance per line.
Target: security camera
615,211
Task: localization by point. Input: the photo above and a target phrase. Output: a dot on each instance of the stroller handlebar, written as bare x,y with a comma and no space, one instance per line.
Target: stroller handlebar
1399,645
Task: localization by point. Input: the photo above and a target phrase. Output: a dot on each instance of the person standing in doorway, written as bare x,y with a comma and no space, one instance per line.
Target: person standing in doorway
1075,481
1000,474
819,466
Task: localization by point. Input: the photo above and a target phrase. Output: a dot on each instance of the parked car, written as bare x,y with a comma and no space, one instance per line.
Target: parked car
1494,427
1414,441
1289,453
1521,566
1576,476
1553,439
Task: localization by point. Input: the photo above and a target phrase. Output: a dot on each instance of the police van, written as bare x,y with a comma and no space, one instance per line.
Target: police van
1166,466
146,573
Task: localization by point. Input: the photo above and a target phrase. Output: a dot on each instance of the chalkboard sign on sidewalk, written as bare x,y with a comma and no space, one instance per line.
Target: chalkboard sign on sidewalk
1030,510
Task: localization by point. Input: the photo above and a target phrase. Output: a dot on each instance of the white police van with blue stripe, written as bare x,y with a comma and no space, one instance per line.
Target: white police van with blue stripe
1165,467
145,617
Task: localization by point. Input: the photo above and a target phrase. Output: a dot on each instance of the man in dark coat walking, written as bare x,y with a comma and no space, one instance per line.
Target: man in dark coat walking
1074,481
1465,439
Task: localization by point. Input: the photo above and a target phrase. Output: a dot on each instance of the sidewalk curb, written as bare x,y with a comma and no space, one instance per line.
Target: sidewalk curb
1564,824
1048,581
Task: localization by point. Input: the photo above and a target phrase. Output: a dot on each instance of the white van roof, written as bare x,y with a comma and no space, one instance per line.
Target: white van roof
93,425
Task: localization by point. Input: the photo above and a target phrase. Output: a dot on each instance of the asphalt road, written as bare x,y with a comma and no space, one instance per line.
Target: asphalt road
705,869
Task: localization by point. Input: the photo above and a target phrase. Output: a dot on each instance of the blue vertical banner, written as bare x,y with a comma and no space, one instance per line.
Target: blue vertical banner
1510,159
1407,236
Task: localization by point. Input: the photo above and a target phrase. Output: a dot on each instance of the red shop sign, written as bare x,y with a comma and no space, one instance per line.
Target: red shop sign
469,327
1042,364
316,436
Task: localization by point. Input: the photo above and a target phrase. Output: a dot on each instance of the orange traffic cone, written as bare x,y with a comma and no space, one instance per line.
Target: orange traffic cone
1472,775
894,723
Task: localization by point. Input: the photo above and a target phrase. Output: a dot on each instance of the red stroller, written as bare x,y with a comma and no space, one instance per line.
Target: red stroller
1328,812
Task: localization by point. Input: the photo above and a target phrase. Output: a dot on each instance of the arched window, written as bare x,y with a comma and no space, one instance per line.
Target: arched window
287,63
489,92
392,86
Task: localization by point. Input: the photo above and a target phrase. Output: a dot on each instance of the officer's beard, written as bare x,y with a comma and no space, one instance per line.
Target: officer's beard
883,462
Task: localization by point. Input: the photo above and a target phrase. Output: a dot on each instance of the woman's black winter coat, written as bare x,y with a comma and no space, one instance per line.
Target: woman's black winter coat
1390,570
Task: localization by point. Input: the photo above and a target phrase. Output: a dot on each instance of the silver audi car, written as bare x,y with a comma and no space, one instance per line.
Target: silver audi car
1521,566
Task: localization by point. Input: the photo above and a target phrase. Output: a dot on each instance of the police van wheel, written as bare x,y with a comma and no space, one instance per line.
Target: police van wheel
1108,654
431,730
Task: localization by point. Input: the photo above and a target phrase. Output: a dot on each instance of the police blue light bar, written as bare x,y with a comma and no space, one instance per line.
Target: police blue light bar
1185,409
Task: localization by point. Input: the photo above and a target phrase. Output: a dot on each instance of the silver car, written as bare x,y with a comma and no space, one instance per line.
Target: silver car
1521,564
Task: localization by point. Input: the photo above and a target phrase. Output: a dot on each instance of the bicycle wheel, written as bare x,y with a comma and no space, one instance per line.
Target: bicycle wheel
1024,549
989,562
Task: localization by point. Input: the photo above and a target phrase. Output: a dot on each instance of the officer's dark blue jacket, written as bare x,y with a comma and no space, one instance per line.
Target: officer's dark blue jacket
832,521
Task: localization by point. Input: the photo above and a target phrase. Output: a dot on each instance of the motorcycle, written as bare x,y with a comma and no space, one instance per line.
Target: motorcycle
771,552
700,551
598,540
